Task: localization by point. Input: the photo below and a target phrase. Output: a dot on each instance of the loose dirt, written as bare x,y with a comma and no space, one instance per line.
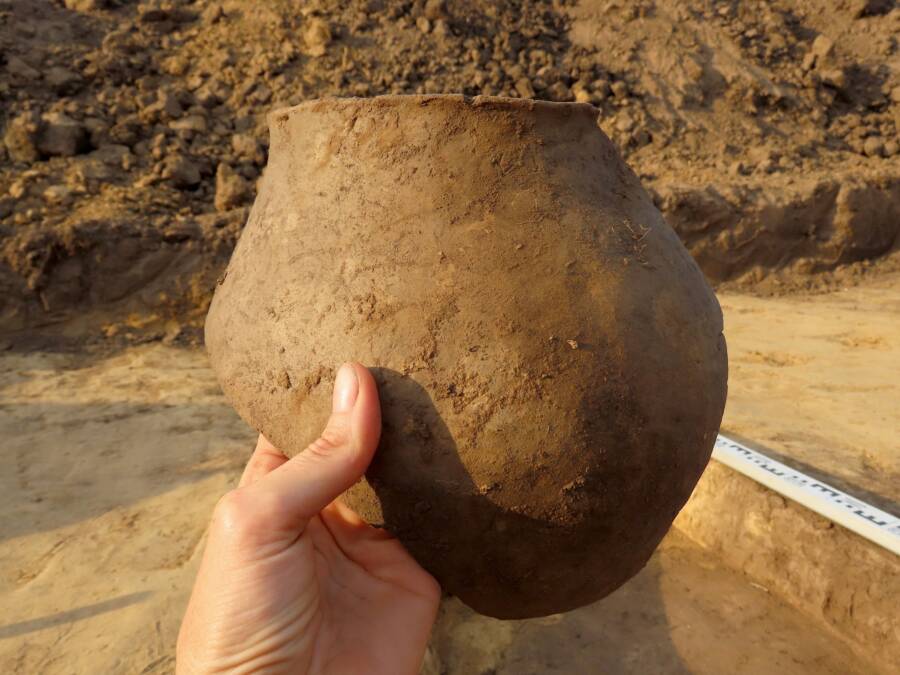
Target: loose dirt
134,131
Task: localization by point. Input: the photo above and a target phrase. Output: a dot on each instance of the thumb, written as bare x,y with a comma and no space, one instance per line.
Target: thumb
306,484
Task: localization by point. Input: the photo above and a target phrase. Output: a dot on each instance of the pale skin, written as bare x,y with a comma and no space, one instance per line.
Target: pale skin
292,580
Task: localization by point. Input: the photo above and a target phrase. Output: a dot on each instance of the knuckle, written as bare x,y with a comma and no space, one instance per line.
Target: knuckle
229,510
242,514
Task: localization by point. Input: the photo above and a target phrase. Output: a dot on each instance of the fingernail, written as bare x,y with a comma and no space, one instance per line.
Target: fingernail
346,387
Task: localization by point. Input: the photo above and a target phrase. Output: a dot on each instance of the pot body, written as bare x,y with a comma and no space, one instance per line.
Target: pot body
550,360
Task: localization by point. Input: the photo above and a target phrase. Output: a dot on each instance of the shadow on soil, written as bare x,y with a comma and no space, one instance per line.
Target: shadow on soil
68,463
625,633
24,627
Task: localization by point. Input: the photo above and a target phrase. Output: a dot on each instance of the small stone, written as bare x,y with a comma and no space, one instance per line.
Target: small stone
62,136
181,171
625,123
423,24
558,91
640,138
212,93
737,168
192,123
166,105
834,78
895,94
212,14
619,89
809,60
20,138
62,80
434,9
18,189
181,230
524,88
113,155
86,5
57,194
98,131
21,70
891,148
232,190
247,147
822,47
582,95
873,146
317,37
600,87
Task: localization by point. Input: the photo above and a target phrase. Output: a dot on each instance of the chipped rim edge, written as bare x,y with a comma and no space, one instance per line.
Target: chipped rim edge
421,100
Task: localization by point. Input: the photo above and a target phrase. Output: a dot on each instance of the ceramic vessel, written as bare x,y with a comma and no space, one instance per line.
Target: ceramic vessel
550,360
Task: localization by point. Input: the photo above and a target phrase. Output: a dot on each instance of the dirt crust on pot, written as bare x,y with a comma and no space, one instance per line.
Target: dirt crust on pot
550,359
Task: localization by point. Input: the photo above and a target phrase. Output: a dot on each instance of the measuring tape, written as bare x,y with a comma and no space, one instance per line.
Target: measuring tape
864,519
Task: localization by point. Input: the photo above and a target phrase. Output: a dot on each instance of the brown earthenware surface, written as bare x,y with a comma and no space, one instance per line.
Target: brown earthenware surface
550,360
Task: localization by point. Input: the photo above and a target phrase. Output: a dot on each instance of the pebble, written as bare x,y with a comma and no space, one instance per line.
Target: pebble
181,171
61,136
212,14
192,123
873,146
20,138
619,89
834,77
21,70
62,80
558,91
86,5
232,190
822,47
524,88
247,147
113,155
18,189
212,93
58,194
317,37
434,9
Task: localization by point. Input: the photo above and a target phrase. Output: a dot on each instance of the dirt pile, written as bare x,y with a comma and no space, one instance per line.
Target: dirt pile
133,132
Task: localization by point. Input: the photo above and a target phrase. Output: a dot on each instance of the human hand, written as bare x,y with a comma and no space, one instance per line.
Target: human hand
292,580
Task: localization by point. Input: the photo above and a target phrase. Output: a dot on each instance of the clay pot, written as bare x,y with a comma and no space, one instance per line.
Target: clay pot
550,360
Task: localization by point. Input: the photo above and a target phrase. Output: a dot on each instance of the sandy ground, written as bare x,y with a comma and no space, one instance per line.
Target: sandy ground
814,379
116,461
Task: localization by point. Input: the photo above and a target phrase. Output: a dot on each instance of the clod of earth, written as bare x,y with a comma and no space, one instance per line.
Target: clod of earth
550,360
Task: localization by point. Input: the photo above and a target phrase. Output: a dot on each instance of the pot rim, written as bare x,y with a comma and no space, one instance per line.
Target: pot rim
330,103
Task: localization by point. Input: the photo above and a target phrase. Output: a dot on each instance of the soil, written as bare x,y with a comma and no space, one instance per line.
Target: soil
797,361
429,238
134,132
117,461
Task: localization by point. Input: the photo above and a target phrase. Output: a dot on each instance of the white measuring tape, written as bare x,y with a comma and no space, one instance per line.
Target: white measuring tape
864,519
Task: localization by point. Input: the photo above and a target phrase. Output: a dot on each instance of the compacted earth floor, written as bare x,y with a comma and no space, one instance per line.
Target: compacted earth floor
115,460
813,380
